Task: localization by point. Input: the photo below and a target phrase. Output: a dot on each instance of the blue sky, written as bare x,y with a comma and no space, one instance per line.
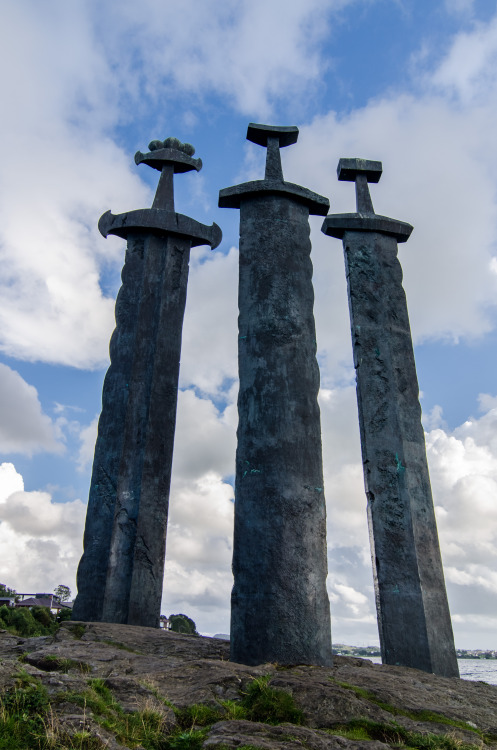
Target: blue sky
84,85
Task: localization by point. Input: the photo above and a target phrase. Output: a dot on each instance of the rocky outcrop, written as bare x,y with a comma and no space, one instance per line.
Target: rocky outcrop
164,672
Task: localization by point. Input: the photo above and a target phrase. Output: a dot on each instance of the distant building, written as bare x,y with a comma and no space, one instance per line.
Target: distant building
50,601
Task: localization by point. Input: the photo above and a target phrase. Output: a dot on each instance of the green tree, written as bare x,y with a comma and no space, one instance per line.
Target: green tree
5,591
182,624
43,616
64,614
24,624
27,622
63,593
4,616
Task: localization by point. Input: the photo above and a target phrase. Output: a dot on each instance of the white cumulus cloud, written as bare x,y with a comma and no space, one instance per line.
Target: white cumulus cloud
24,428
41,541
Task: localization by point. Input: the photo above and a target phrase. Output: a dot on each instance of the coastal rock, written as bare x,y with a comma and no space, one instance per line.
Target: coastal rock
147,669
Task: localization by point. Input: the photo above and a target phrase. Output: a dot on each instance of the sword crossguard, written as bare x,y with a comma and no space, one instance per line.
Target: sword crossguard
273,137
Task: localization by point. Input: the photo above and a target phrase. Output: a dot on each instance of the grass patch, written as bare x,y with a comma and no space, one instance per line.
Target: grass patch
77,630
234,710
270,705
22,715
24,679
198,715
260,702
147,728
62,664
441,719
204,715
98,699
394,734
192,740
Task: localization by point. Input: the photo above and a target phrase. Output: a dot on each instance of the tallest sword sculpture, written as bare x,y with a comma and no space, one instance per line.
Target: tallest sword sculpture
279,605
413,613
120,574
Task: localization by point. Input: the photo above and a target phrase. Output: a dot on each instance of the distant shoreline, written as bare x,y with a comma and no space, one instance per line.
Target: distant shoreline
478,658
369,651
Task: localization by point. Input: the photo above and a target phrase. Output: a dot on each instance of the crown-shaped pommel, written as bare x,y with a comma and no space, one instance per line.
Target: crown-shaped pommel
171,151
169,157
273,137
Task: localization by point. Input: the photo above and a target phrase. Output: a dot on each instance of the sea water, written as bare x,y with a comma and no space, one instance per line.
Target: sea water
482,670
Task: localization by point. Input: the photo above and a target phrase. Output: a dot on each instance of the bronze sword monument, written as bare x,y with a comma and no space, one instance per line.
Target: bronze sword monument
279,607
413,613
121,571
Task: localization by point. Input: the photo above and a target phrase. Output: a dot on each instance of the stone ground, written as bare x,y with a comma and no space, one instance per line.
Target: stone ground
142,665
